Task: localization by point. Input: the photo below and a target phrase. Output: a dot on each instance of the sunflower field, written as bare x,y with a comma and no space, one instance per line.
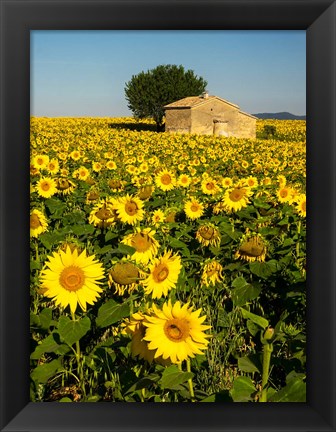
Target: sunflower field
166,267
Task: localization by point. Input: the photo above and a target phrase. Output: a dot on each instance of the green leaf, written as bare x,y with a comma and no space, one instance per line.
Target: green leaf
112,312
125,249
249,363
242,389
50,344
45,371
260,321
110,235
55,205
172,377
65,399
294,391
252,327
45,318
244,294
83,229
239,282
72,331
263,269
143,382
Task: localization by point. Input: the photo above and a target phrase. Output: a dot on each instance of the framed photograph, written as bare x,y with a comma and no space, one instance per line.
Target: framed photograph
66,339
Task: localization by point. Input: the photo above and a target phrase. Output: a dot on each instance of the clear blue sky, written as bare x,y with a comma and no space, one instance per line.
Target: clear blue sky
83,73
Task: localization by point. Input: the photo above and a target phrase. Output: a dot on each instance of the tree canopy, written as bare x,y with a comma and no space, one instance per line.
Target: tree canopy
148,92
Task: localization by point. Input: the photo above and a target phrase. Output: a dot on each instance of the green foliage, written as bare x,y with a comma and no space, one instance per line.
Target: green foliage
148,92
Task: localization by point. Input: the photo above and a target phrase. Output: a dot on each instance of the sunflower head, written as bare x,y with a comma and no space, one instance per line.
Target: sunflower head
252,248
38,223
176,332
211,272
208,234
124,276
145,192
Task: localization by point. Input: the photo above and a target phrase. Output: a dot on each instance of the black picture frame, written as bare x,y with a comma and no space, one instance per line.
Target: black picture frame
18,18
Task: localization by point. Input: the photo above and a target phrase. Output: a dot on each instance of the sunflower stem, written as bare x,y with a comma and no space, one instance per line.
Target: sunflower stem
267,351
298,242
80,369
190,382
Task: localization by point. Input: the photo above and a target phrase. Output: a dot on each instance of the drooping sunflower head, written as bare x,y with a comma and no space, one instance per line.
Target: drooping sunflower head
145,192
116,185
64,186
144,243
38,223
176,332
211,272
72,279
164,273
208,234
124,276
252,248
92,196
103,214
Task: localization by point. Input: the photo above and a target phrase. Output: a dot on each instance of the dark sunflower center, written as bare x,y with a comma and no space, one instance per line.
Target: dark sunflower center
131,208
72,278
45,186
160,273
40,161
141,242
252,248
303,206
237,195
34,221
194,207
207,232
210,186
124,273
284,193
166,179
63,184
93,196
177,330
104,214
114,184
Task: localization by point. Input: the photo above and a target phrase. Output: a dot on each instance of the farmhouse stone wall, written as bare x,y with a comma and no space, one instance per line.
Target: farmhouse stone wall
178,120
210,116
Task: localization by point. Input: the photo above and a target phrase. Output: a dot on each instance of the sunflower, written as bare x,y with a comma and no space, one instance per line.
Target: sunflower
111,165
164,273
139,347
64,186
96,166
193,209
286,194
211,272
176,332
124,276
75,155
251,182
209,186
129,209
38,223
103,214
252,248
301,205
208,235
82,173
72,278
40,161
46,187
53,166
165,180
144,243
236,198
158,217
184,180
145,192
227,182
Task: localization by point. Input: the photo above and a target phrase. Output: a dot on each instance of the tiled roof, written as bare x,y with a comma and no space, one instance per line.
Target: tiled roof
192,101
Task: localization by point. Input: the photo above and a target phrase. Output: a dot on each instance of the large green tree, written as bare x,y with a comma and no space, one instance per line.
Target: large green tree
148,92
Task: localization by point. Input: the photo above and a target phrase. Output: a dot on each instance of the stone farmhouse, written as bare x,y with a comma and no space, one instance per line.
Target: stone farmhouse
209,115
